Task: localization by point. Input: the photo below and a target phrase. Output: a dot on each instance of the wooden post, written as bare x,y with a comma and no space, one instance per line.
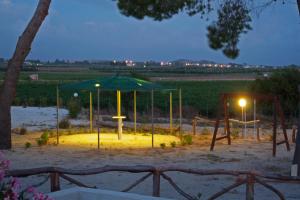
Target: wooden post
274,129
57,119
171,113
226,121
152,115
294,134
54,182
98,138
134,110
194,123
180,111
254,118
257,133
156,183
250,187
91,113
217,124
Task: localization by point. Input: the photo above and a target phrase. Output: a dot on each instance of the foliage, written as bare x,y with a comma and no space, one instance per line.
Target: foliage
43,140
162,9
186,140
233,20
23,131
27,145
74,107
173,144
235,133
283,83
64,124
10,187
163,145
205,131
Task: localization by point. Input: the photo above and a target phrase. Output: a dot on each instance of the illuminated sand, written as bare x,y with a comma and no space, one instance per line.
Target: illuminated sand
110,140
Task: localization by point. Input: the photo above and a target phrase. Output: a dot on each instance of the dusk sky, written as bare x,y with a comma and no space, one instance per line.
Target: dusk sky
95,30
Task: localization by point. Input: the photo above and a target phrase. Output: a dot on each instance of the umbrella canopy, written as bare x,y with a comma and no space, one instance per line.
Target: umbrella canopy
114,83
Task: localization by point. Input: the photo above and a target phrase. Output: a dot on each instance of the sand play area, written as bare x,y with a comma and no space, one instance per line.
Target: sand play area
79,151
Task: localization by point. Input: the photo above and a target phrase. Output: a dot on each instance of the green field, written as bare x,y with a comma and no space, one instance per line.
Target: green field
198,96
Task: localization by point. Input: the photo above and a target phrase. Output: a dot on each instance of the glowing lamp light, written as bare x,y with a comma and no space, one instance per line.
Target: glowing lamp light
75,94
242,102
97,85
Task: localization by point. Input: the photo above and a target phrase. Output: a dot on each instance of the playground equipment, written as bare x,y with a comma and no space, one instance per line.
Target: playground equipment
223,109
120,84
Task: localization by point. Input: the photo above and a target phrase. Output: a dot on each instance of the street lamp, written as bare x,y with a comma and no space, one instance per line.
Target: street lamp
97,85
242,104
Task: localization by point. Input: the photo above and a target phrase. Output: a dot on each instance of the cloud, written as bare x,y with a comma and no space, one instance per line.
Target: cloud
5,2
90,23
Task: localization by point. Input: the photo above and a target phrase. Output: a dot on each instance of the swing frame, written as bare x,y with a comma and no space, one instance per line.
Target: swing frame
223,110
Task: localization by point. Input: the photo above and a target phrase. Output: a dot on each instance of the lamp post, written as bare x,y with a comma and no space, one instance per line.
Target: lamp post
242,104
97,85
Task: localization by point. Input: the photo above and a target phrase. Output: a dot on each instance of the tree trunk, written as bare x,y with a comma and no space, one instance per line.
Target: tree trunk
8,88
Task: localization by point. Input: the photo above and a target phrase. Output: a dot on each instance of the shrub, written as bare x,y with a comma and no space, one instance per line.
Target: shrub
234,133
17,101
186,140
23,131
27,145
43,140
43,101
205,131
173,144
31,101
74,107
163,145
64,124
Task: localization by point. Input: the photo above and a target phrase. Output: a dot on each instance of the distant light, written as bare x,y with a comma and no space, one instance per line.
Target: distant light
75,94
97,85
242,102
139,84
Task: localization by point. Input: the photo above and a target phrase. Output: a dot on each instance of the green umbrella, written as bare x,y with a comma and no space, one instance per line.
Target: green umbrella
121,83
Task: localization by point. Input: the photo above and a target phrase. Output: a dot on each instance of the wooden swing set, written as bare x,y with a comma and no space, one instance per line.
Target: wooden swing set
223,110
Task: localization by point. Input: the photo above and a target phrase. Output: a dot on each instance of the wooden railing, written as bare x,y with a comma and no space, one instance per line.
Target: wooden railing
247,178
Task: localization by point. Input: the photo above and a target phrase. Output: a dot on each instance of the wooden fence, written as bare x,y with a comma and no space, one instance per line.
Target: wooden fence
247,178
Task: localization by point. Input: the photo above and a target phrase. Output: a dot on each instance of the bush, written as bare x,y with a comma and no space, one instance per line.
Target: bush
205,131
43,140
43,101
27,145
64,124
31,101
74,108
173,144
235,133
186,140
163,145
23,131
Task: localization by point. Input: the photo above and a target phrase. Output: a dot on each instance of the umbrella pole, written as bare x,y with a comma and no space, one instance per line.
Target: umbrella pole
91,113
134,110
171,113
57,110
152,114
119,114
180,111
98,103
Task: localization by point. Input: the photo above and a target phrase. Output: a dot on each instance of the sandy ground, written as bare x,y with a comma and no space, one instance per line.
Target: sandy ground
243,154
34,118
